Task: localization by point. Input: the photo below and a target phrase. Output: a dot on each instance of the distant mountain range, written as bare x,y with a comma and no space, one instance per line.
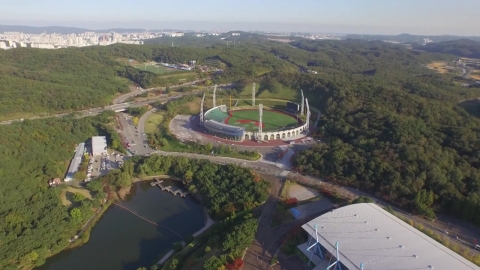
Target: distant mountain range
407,38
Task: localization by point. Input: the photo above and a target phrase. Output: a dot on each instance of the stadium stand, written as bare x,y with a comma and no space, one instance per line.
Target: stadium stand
224,131
217,115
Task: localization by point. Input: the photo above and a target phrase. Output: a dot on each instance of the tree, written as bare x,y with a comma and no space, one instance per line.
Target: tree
135,120
78,197
362,199
174,263
123,180
80,176
213,263
241,237
76,214
188,175
235,265
95,185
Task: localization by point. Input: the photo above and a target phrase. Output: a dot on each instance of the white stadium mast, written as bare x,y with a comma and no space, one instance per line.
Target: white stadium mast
308,115
253,95
302,108
201,108
214,100
260,124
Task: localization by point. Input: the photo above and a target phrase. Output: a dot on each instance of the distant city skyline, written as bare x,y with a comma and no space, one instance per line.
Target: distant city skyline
426,17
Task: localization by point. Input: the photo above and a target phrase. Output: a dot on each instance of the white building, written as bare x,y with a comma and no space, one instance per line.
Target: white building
99,145
75,163
368,237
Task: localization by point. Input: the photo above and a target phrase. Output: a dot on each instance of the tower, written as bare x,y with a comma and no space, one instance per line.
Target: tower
253,95
307,120
302,108
260,124
201,108
214,100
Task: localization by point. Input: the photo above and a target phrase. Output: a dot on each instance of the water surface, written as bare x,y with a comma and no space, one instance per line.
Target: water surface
121,240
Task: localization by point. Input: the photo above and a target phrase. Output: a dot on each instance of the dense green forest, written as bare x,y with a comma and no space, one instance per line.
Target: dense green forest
35,223
464,48
396,132
36,81
225,189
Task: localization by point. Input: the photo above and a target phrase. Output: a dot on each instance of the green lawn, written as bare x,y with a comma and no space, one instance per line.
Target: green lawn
154,69
152,123
271,120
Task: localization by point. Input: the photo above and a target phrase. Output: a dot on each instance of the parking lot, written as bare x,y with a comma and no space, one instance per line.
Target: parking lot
100,165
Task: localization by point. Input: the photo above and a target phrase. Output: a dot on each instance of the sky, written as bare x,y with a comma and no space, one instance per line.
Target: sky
423,17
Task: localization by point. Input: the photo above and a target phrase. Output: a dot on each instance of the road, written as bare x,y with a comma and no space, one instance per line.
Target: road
118,104
268,240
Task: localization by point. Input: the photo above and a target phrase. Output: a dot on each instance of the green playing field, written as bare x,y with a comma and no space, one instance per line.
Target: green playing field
272,120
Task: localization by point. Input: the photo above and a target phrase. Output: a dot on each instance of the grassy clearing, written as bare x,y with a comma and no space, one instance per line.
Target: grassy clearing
285,188
67,194
439,67
154,69
153,122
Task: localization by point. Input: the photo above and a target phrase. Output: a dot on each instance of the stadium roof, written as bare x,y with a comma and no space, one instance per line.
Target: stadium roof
75,163
99,145
370,235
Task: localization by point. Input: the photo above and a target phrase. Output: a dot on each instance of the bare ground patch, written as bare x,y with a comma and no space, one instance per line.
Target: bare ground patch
67,194
439,67
301,193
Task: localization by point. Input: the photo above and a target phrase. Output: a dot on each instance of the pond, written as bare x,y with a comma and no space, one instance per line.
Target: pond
121,240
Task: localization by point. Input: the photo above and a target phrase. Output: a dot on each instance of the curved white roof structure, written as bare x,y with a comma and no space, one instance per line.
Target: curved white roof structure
370,235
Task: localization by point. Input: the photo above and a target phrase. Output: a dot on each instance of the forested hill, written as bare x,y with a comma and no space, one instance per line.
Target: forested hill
462,48
40,81
36,81
396,132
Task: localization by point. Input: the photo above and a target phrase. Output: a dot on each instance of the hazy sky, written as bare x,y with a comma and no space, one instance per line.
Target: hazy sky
459,17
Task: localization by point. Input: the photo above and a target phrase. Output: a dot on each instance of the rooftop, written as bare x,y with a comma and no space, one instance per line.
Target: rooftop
99,145
75,163
370,235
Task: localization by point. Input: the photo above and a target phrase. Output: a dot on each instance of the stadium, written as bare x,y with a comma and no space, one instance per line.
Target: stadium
365,236
255,122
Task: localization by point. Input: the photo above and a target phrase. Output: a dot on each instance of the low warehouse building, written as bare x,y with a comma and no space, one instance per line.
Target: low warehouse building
99,145
75,163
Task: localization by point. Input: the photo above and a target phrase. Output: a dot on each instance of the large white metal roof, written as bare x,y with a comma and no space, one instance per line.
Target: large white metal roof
370,235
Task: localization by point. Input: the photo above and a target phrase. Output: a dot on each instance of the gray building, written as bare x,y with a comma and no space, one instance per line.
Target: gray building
76,161
99,145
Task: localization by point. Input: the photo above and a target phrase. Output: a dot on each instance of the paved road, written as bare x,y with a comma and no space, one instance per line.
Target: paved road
267,240
118,104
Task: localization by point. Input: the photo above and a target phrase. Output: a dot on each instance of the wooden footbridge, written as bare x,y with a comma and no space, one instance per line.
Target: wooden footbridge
159,182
